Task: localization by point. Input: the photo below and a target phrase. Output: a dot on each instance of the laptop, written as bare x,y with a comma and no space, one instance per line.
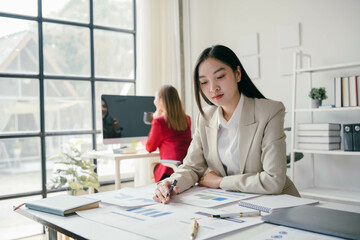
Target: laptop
317,219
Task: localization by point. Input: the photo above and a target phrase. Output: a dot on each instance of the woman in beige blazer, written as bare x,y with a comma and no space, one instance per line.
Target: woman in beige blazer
239,141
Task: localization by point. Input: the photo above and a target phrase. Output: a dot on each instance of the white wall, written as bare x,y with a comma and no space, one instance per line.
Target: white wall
330,32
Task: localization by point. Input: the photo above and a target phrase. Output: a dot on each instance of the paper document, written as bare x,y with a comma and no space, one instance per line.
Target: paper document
160,221
286,233
208,197
269,203
126,197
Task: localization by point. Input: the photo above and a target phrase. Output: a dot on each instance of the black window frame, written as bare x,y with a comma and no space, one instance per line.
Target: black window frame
42,134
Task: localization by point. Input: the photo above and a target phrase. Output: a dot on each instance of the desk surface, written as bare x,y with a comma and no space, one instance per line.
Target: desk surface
81,228
120,156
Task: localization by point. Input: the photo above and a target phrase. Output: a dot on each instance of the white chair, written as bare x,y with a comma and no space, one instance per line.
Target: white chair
174,164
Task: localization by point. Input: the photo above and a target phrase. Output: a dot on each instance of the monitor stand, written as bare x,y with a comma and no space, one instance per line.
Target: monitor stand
123,148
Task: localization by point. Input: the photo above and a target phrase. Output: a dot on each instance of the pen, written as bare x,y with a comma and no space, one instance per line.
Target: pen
194,228
240,214
171,188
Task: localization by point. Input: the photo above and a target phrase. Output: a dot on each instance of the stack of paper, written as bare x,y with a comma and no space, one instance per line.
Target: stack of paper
319,136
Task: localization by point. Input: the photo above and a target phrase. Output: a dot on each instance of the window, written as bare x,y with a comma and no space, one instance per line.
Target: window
57,58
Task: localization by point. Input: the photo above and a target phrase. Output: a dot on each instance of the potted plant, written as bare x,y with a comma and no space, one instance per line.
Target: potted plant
72,172
317,95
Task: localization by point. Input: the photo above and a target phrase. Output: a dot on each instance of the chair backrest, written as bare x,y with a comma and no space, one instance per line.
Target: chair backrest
170,163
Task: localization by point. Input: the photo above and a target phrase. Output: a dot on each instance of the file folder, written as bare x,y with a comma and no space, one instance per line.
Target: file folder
356,136
348,137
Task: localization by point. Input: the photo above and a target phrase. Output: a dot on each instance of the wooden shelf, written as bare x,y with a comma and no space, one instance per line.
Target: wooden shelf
328,152
332,194
328,68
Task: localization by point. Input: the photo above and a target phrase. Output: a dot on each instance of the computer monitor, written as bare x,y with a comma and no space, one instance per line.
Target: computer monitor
122,118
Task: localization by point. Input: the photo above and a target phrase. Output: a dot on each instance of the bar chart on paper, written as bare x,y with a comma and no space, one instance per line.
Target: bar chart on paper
161,221
125,197
150,212
205,197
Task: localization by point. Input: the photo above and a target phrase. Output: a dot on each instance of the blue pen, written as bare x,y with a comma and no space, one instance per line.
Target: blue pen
171,188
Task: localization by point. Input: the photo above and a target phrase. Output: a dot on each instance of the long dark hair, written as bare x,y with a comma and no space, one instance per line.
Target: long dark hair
228,57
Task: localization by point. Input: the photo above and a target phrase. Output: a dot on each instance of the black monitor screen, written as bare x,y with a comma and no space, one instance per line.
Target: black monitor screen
122,117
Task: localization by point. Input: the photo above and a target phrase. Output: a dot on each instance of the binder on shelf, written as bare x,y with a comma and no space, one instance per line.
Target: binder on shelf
358,90
345,91
319,126
319,146
318,133
352,91
305,139
356,136
348,137
338,91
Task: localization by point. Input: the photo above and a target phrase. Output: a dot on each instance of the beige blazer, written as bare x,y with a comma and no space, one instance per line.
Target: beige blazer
262,151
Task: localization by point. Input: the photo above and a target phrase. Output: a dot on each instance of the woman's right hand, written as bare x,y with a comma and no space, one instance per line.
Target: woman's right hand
162,190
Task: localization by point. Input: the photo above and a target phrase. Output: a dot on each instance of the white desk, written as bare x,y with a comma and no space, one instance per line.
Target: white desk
80,228
118,157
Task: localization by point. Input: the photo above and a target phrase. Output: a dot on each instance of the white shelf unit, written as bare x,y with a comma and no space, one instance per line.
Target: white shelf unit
327,194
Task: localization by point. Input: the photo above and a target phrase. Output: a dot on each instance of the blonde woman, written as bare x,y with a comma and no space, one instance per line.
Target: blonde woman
170,130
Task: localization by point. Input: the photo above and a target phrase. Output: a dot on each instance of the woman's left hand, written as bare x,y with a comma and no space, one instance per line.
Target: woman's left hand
211,180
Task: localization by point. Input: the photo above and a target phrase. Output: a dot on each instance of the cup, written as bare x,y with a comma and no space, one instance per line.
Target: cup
148,117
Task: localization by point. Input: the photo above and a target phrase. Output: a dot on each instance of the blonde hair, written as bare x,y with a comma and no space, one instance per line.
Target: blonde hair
174,111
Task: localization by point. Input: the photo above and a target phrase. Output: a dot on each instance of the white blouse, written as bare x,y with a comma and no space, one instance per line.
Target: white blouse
228,139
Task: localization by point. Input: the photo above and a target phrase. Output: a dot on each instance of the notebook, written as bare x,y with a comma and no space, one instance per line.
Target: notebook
270,203
317,219
63,204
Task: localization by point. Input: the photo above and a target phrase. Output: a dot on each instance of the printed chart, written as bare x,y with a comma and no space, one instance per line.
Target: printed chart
126,197
160,221
204,197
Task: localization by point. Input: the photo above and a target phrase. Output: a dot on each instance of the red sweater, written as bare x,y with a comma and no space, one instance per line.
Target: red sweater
172,144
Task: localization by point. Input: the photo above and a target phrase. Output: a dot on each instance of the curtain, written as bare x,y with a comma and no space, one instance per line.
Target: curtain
157,57
158,45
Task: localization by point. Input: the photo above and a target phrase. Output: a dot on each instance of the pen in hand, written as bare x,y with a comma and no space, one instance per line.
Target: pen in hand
240,214
171,188
194,228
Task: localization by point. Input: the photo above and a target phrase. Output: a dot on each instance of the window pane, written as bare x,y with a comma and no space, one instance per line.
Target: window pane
20,165
72,10
14,225
18,46
106,167
114,54
66,50
56,145
28,7
67,105
19,105
109,88
114,13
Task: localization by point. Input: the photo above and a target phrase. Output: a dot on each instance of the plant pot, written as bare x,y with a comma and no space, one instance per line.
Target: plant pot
315,103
